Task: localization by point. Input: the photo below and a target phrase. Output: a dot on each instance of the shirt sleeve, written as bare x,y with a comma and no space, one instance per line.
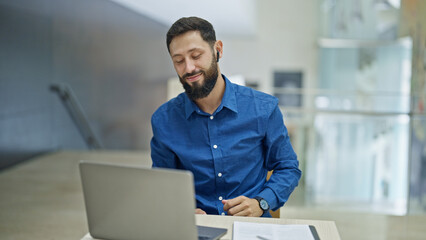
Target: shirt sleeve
281,158
161,155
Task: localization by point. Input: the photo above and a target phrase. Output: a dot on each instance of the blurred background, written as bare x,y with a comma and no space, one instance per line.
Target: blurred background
350,75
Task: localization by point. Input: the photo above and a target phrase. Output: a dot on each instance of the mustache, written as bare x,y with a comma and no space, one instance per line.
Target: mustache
191,74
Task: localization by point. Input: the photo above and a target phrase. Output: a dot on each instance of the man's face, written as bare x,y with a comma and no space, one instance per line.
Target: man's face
195,63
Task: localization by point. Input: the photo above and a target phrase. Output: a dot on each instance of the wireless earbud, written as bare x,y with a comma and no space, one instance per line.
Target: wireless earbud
217,56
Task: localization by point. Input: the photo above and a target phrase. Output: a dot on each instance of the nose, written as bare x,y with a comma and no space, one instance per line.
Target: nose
189,66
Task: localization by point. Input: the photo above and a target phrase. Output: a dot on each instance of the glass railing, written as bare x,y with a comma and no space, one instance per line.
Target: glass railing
356,155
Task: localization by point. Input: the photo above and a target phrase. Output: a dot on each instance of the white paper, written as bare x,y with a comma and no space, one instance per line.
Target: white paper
266,231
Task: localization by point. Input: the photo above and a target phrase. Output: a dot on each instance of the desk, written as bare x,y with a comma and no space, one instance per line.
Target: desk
327,230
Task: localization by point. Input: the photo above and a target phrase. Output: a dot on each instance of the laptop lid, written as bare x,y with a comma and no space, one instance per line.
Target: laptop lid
127,202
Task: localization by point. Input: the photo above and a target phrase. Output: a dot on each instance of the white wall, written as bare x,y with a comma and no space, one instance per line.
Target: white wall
287,31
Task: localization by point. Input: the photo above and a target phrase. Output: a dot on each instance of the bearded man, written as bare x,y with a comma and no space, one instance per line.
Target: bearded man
229,136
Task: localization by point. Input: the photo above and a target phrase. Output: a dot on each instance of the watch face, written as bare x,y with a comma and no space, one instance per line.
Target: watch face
263,204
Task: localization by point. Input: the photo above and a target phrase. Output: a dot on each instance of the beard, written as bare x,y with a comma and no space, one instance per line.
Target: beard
197,90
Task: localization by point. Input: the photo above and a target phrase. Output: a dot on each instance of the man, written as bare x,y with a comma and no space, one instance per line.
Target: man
228,135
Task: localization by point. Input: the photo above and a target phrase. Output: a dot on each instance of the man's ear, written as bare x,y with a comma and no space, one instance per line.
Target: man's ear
219,48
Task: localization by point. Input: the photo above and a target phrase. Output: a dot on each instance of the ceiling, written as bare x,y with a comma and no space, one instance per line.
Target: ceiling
229,17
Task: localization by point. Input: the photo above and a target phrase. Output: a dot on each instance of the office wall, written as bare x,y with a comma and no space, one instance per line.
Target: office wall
286,40
114,59
26,106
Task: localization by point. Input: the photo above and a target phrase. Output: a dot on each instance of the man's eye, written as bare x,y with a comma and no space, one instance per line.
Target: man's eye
197,56
179,62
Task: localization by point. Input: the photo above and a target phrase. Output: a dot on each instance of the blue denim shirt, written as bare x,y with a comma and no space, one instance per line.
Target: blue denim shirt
230,151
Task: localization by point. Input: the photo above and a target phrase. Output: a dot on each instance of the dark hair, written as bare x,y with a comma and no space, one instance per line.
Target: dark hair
187,24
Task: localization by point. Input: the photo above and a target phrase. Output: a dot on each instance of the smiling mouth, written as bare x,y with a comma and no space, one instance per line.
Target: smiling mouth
194,77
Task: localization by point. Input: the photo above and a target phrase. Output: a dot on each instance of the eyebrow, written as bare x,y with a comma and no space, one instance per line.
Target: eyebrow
190,50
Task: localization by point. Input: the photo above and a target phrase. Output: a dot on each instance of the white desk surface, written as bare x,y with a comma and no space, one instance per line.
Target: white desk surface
327,230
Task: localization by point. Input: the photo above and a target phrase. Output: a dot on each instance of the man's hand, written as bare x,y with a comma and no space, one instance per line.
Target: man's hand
242,206
200,211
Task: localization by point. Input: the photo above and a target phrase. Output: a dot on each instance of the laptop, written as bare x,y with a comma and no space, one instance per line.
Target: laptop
128,202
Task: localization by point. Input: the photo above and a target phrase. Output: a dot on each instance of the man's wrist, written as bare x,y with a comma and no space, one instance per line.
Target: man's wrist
263,204
270,197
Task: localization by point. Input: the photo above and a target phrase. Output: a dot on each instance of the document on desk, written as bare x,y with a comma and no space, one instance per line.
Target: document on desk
267,231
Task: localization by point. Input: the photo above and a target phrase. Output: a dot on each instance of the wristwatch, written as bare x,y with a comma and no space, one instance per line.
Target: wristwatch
263,204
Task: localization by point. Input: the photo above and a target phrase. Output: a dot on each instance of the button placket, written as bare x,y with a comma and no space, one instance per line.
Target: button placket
214,139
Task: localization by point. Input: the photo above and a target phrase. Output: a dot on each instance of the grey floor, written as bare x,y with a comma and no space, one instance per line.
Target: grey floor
42,199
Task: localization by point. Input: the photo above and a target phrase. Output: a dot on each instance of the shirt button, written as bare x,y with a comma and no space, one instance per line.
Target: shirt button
219,174
211,117
220,198
223,214
215,146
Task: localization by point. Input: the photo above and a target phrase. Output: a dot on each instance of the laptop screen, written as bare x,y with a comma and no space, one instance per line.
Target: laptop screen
128,202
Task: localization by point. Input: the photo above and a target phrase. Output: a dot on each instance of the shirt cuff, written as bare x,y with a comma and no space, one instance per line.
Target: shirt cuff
270,197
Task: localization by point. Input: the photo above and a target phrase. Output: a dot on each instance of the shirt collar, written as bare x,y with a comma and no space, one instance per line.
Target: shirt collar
229,100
